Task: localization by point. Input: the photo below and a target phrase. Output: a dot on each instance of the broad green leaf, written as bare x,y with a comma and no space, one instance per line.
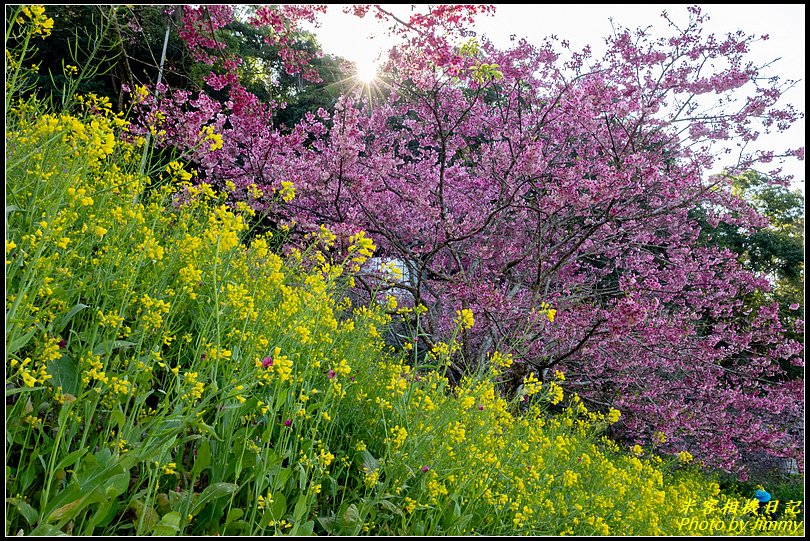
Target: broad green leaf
102,516
238,526
280,479
303,529
212,492
234,514
203,460
279,506
65,510
28,513
70,459
348,519
116,485
145,514
65,374
368,461
300,509
118,418
391,507
168,525
329,524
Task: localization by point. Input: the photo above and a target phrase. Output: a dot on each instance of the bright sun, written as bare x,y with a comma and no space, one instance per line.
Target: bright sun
366,70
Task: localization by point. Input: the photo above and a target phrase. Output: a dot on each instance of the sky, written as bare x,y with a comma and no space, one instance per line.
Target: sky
364,40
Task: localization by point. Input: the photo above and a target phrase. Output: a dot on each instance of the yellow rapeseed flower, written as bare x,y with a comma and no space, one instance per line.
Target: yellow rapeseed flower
464,318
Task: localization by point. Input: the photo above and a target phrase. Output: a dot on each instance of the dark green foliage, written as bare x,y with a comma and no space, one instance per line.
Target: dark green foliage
777,250
123,45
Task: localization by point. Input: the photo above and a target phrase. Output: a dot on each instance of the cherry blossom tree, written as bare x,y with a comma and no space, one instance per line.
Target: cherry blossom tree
549,192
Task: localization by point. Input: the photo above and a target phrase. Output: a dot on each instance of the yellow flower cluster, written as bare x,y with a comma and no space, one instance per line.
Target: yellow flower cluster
209,135
549,312
282,365
195,387
152,311
325,458
685,457
287,191
464,318
263,502
398,436
177,172
555,393
531,385
41,24
360,249
500,361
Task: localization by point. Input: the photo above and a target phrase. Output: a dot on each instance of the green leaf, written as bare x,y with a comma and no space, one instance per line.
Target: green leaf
279,506
210,431
65,374
18,390
238,526
391,507
368,461
104,514
301,508
304,529
203,458
65,510
28,513
62,322
168,525
234,514
348,520
118,417
329,524
19,342
142,512
102,477
70,459
46,530
281,478
102,348
212,492
116,485
303,477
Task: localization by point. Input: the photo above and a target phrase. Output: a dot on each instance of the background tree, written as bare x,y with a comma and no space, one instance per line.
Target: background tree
775,249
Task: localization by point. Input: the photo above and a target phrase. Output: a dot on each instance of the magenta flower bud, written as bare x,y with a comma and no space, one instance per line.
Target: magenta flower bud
425,468
62,343
288,422
331,374
267,362
481,407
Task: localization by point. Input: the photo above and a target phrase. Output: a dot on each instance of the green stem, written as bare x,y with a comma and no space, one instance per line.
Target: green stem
52,463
